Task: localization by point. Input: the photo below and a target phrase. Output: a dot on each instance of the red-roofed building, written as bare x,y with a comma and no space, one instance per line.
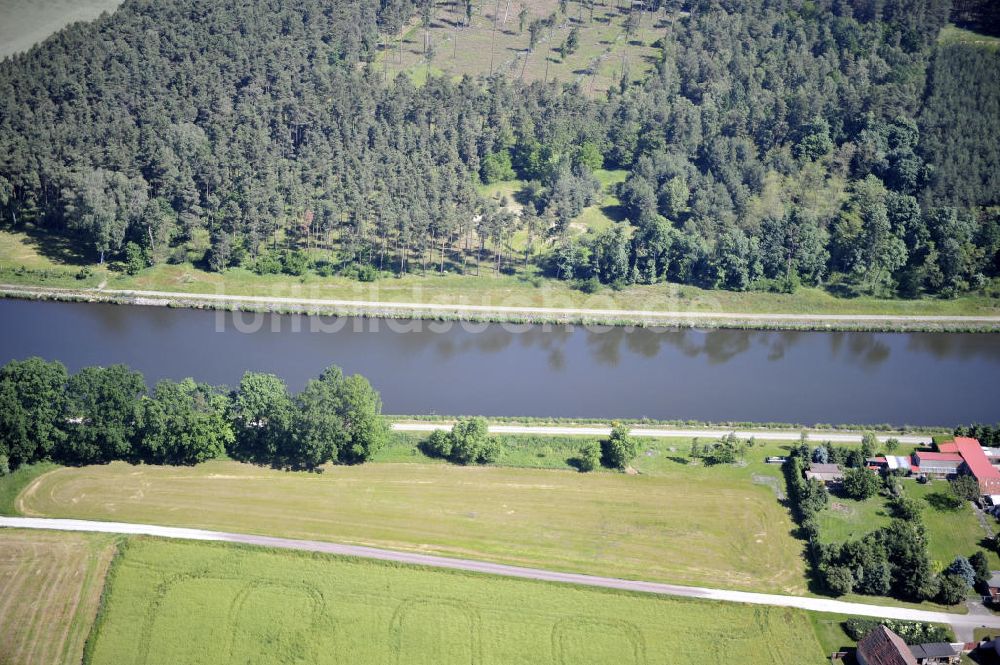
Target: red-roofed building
975,462
938,465
978,465
883,647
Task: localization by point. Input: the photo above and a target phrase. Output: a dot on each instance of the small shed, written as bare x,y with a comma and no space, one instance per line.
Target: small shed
936,653
894,462
826,473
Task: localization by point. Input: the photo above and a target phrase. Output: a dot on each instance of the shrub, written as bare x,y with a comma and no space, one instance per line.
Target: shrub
438,444
267,264
135,259
467,443
965,488
295,262
906,508
839,580
963,569
590,285
861,483
951,589
589,456
365,273
619,449
490,452
912,632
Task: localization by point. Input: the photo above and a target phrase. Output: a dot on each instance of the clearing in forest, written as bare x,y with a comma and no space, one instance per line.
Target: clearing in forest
492,38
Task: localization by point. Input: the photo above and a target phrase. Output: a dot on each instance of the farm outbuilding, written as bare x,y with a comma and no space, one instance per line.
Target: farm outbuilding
826,473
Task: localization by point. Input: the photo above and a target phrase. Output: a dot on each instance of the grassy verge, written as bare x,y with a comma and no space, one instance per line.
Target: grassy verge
175,602
27,261
829,629
12,484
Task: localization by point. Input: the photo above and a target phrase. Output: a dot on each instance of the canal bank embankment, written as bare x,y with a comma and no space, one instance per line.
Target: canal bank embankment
513,314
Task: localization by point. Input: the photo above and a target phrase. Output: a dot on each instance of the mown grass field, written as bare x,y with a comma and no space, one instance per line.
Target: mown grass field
173,602
677,523
12,484
50,585
26,22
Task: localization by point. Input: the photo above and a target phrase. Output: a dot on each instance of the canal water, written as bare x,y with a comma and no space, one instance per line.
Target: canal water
424,367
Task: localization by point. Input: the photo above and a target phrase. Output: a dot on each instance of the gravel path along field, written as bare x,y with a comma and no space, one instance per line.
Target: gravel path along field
963,623
516,313
661,433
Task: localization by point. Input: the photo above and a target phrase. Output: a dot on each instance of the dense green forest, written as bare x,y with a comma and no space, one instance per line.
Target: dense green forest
820,141
104,414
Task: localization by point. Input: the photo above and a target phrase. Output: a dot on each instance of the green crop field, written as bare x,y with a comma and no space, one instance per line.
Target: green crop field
675,522
26,22
171,602
50,585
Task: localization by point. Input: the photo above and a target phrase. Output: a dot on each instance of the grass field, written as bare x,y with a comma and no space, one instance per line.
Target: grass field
952,34
950,531
678,523
26,22
171,602
12,484
51,584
